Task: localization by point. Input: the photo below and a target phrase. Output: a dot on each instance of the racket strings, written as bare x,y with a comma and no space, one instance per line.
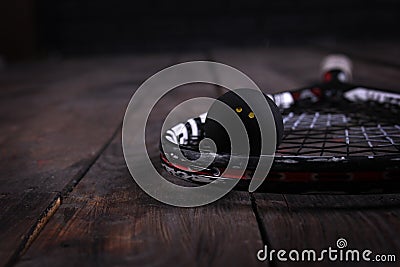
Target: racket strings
339,133
332,129
331,135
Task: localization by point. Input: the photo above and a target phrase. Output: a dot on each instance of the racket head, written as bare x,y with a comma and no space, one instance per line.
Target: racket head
338,137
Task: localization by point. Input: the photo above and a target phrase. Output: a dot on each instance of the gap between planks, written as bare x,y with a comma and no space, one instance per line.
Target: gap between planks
261,226
51,209
256,228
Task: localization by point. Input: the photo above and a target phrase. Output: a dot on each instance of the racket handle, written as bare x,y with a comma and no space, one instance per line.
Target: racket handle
337,67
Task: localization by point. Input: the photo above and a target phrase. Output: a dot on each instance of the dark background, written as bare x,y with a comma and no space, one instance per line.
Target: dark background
41,28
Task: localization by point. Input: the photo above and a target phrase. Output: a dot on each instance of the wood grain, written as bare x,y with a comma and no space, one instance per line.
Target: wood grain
56,120
67,198
108,220
317,221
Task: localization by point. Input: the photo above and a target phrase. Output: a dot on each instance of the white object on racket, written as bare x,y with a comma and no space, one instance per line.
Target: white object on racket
338,62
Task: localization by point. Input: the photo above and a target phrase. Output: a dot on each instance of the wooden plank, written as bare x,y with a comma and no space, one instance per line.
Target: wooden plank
56,123
317,221
108,219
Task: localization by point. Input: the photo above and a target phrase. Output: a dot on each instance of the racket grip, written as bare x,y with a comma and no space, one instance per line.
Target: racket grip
339,65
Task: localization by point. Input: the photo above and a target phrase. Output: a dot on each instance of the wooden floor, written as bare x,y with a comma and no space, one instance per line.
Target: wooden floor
67,198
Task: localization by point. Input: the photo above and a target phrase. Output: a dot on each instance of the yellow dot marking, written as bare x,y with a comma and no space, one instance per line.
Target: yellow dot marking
251,115
239,109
